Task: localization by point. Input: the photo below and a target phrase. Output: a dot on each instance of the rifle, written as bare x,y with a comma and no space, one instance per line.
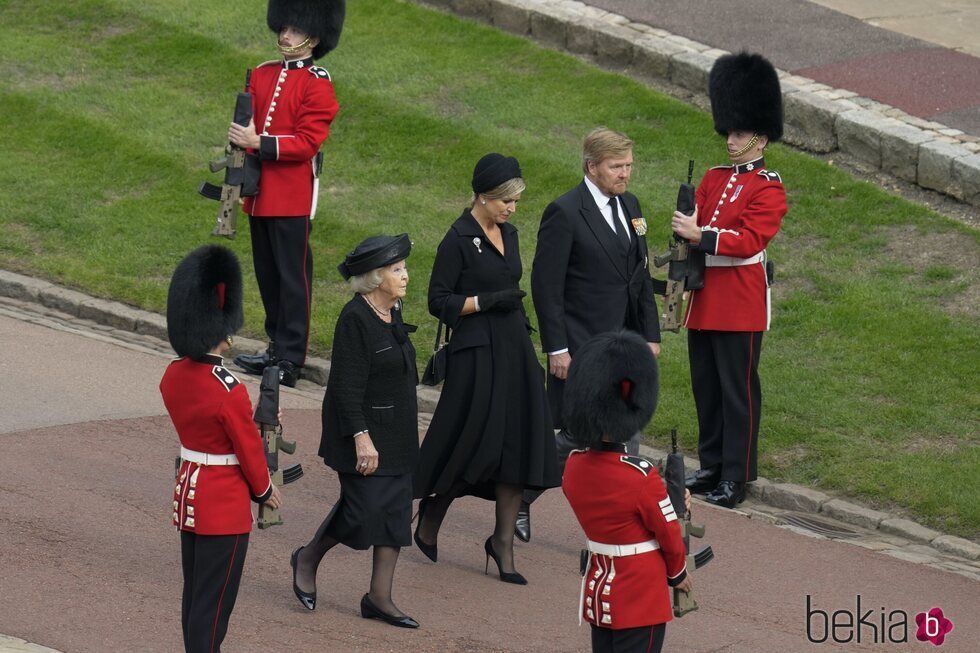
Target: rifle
267,417
674,478
685,268
241,172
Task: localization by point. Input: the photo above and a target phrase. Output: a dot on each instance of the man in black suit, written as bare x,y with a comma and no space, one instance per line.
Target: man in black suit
590,273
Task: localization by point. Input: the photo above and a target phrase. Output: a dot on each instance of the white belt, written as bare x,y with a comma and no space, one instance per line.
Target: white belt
622,550
712,261
208,458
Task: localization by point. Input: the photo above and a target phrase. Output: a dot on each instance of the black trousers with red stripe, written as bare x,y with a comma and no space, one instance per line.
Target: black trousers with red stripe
212,567
728,397
284,271
645,639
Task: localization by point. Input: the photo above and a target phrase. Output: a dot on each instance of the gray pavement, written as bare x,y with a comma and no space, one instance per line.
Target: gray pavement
82,538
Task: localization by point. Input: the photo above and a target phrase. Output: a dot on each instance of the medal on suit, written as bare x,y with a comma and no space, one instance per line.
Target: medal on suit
639,226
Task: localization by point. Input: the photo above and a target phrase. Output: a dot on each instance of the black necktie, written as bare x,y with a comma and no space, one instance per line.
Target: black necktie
618,225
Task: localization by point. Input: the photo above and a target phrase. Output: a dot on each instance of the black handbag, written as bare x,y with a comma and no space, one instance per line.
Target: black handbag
435,369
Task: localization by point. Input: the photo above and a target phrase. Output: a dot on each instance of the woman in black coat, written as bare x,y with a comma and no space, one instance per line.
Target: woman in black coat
370,427
491,432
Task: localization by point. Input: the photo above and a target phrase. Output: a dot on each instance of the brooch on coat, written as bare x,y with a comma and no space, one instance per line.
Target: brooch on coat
476,242
639,226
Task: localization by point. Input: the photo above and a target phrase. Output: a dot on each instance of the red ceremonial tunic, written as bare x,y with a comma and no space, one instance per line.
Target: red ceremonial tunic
212,413
293,104
739,211
620,499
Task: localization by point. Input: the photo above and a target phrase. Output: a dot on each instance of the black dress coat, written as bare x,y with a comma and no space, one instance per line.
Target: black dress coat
492,423
371,387
584,282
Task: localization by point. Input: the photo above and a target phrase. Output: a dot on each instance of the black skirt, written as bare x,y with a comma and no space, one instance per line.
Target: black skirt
492,424
372,511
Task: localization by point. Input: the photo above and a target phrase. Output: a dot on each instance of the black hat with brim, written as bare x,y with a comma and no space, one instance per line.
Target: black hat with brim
611,389
745,95
204,303
375,252
323,19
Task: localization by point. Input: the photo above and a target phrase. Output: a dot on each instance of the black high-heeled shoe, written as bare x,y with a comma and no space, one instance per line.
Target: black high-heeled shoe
430,551
506,576
370,611
308,599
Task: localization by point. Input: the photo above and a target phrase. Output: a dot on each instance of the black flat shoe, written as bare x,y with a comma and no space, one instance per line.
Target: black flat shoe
308,599
728,494
371,611
703,480
522,527
288,373
506,576
430,551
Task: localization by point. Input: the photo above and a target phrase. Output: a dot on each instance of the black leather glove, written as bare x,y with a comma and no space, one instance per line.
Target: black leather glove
502,300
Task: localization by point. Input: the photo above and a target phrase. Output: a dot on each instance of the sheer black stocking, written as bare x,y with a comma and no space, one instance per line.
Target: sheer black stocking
382,574
310,555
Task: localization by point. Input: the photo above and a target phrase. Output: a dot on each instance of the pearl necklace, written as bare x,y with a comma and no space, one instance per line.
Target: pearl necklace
376,309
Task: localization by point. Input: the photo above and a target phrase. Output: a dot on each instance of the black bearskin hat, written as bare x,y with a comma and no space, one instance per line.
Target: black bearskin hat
204,304
611,389
323,19
745,95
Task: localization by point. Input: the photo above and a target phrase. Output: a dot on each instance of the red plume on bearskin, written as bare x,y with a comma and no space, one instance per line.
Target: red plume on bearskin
323,19
612,388
745,95
204,303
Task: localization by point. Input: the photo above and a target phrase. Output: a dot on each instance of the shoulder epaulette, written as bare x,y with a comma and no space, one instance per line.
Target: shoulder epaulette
226,378
270,62
322,73
639,462
771,175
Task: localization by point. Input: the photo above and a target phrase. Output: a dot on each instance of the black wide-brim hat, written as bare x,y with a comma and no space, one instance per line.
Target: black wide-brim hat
375,252
492,170
612,388
745,95
323,19
204,303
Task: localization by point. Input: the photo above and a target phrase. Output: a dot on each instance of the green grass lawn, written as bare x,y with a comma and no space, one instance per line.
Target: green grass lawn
110,111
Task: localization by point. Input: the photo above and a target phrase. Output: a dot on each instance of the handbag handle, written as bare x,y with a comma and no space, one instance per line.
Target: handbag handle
439,344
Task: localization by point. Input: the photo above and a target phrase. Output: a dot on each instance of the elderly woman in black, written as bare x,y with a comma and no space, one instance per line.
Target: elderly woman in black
491,432
370,427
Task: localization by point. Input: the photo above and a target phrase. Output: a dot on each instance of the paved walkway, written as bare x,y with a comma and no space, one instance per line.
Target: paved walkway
89,557
921,57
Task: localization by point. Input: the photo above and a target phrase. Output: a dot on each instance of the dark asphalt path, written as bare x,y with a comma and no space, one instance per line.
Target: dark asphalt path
90,562
921,78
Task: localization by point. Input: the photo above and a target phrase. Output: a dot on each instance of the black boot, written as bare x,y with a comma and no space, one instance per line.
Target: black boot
256,363
728,494
288,373
703,480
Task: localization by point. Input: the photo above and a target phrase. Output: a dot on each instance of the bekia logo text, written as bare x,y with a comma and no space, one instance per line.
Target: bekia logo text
874,626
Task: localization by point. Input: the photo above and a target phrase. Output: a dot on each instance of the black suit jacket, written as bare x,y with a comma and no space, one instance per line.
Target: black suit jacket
584,283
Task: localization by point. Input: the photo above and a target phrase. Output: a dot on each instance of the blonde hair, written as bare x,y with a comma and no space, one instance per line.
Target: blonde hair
506,190
602,143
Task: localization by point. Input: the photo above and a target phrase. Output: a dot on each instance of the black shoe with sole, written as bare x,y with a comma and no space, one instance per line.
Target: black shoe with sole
728,494
703,480
522,527
288,373
308,599
430,551
256,363
371,611
506,576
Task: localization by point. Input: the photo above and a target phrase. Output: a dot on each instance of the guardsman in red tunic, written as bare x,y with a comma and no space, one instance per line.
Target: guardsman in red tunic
222,460
293,104
739,210
634,539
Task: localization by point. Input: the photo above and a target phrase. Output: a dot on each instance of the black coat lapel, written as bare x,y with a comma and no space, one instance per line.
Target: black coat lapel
600,228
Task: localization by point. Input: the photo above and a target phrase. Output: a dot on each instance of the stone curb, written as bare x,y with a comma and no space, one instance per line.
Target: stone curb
126,318
798,498
818,118
781,495
16,645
